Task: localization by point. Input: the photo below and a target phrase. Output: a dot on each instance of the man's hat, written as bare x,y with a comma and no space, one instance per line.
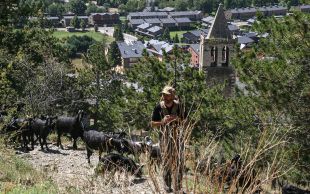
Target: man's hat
168,90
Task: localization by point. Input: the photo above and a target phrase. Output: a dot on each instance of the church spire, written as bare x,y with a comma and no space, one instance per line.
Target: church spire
219,28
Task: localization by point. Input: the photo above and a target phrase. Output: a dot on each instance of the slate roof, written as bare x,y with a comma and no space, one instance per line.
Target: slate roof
219,28
92,14
168,9
167,20
131,50
144,26
153,21
196,48
245,40
208,19
137,21
148,14
232,27
184,13
154,29
159,45
182,20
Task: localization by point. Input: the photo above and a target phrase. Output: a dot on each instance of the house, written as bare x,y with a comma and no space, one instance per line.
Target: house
193,37
153,21
146,15
245,42
131,52
302,8
241,13
194,51
54,21
192,15
66,20
155,31
234,29
142,28
149,30
275,10
104,19
207,21
156,47
168,23
183,23
250,12
136,22
167,9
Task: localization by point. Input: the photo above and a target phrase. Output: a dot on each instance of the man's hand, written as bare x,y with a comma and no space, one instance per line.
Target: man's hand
168,119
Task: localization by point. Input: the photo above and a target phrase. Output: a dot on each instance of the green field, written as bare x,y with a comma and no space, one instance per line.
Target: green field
180,34
95,35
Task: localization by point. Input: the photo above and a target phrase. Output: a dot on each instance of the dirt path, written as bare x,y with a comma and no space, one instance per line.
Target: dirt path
70,171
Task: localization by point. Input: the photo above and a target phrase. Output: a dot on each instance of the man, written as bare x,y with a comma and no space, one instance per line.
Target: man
168,116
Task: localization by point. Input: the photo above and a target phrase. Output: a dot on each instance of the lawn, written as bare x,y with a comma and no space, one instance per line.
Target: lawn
95,35
180,34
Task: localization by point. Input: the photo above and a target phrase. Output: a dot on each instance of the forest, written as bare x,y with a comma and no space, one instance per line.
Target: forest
267,122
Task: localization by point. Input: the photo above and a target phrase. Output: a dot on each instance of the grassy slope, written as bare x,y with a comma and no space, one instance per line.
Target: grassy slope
180,34
17,176
95,35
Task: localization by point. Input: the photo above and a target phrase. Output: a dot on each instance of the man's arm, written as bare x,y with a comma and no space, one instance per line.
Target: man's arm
166,120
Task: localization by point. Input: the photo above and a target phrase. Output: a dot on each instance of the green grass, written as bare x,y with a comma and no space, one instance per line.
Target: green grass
18,176
180,34
95,35
122,18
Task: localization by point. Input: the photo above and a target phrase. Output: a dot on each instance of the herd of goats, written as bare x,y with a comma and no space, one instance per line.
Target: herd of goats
25,130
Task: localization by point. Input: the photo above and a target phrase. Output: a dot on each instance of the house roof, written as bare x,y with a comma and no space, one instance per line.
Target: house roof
147,14
153,21
208,19
182,20
244,40
158,46
71,17
250,34
144,26
154,29
196,48
233,27
219,28
184,13
272,8
92,14
131,50
137,21
52,18
251,20
167,20
168,9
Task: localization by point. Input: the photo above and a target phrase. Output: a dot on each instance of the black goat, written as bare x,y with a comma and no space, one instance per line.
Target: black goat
132,147
116,162
20,129
290,189
71,125
42,128
95,140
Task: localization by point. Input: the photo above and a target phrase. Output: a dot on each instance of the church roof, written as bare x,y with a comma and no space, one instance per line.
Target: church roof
219,28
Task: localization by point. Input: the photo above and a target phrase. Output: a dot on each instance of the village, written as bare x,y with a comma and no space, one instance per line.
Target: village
154,96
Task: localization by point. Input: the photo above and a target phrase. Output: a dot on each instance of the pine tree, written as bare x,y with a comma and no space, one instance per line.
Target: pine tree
83,25
75,22
176,39
166,35
118,33
114,55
